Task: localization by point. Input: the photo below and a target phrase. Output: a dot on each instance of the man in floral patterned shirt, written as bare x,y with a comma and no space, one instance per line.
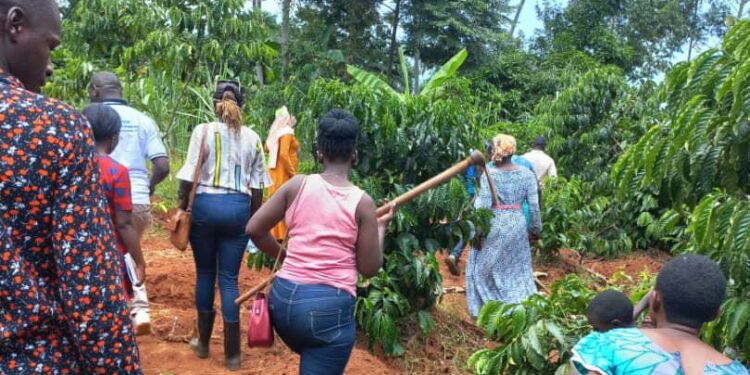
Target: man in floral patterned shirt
62,308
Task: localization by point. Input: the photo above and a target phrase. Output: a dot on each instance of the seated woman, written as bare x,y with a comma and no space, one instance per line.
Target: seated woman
689,291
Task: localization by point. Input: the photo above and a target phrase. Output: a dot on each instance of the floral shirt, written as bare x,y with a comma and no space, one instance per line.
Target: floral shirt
62,309
627,351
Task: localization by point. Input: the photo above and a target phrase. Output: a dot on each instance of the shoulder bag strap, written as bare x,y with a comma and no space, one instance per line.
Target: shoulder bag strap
198,168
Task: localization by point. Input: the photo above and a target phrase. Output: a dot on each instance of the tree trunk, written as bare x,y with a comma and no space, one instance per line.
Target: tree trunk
517,16
286,8
417,71
741,8
256,4
394,28
692,41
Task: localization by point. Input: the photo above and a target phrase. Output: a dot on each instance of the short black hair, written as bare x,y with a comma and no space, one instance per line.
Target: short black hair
104,121
611,307
692,288
338,132
540,142
31,7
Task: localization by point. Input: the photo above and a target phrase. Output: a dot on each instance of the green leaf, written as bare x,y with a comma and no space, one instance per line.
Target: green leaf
373,82
445,72
426,322
739,319
556,332
404,72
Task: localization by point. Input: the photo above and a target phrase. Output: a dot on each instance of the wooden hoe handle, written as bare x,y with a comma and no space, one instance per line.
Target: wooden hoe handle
476,158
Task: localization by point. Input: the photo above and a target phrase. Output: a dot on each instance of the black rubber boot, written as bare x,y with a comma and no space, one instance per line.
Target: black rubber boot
205,327
232,350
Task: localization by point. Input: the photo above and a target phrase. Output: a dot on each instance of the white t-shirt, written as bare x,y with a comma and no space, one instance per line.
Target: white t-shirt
233,163
140,141
544,166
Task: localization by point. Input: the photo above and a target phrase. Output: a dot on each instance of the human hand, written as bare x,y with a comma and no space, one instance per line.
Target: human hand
533,239
385,219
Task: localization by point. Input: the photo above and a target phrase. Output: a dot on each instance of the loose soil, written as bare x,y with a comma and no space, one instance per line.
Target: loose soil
171,282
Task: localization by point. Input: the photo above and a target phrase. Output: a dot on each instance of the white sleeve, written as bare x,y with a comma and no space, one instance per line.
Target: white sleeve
154,146
552,171
258,178
187,172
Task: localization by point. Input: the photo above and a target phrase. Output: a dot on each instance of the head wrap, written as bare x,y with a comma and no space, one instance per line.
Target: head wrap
505,146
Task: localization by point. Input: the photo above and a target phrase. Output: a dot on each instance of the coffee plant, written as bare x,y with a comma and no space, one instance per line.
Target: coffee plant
695,163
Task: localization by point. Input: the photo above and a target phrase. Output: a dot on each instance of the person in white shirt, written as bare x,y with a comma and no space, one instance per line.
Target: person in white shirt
139,141
544,165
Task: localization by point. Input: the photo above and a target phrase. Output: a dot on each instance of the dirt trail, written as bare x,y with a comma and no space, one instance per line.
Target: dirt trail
170,286
171,283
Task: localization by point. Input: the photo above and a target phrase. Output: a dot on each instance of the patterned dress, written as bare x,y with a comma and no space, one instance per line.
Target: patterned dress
627,351
502,270
62,309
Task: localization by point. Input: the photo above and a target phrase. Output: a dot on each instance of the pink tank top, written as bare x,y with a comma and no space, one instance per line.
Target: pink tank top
322,235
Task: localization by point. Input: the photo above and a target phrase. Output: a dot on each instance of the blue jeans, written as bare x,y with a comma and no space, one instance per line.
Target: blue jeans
218,239
458,250
315,321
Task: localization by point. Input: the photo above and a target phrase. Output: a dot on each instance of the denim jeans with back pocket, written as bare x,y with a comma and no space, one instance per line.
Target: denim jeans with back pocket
218,239
317,322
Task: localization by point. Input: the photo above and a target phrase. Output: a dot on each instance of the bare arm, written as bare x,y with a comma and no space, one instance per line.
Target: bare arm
370,237
256,200
159,173
641,306
129,236
183,194
260,224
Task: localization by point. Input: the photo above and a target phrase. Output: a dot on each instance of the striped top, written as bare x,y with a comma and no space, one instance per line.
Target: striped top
233,162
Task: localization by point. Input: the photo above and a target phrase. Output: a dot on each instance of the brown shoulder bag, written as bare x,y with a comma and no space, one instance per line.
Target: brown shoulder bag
179,220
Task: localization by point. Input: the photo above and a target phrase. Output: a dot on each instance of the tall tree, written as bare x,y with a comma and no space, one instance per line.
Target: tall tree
640,36
354,27
438,28
395,18
286,9
519,9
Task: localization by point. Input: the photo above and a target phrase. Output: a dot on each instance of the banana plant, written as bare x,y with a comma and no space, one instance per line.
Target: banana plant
433,87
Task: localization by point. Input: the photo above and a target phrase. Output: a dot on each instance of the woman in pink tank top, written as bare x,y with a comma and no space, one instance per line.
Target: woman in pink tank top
333,235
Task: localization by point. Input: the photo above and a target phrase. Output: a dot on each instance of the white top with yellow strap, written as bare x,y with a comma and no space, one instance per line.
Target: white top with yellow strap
233,163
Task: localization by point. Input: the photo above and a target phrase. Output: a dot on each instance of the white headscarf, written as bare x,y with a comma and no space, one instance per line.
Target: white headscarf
281,126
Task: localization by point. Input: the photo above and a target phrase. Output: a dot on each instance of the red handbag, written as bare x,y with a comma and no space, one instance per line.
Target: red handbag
260,332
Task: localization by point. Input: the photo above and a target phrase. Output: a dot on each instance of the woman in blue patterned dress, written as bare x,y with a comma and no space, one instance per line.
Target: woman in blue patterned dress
689,291
499,268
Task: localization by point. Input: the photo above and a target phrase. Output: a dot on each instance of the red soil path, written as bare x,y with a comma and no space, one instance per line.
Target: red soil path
171,282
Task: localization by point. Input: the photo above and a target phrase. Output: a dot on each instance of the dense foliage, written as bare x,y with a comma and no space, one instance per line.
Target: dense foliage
536,335
695,164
